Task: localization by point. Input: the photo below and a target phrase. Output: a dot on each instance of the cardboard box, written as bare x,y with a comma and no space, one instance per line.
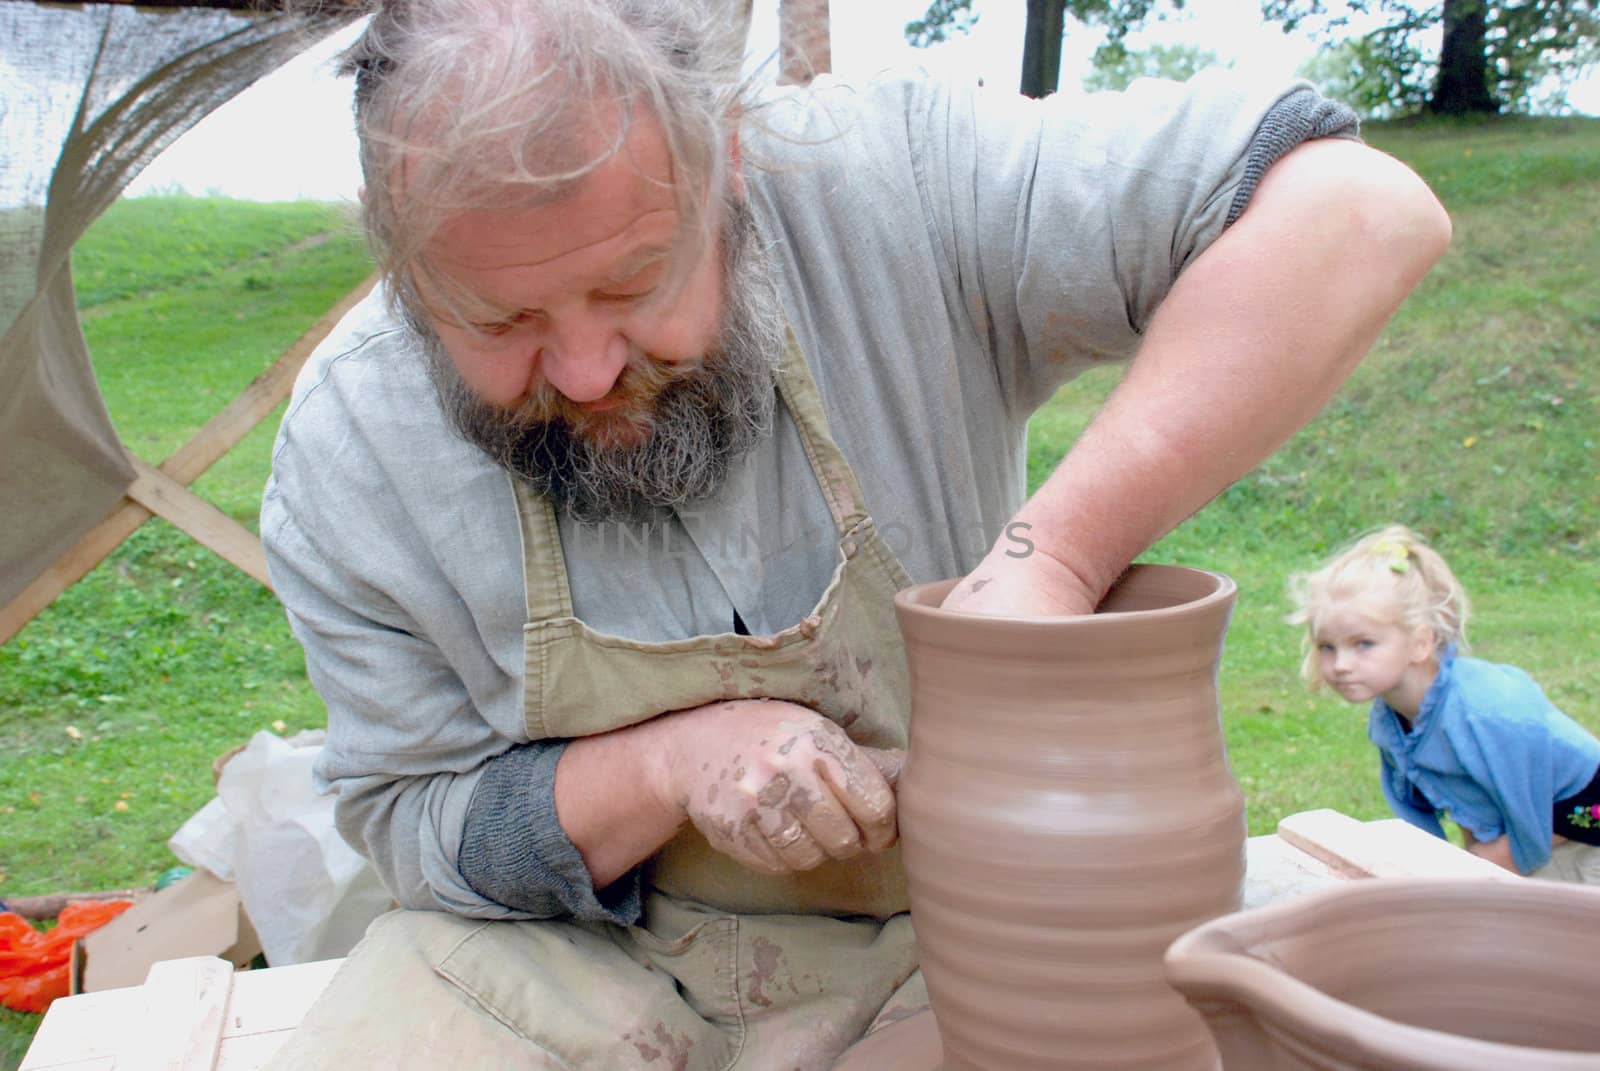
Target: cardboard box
198,915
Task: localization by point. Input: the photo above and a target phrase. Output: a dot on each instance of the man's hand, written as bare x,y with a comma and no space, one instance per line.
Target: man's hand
776,785
1035,585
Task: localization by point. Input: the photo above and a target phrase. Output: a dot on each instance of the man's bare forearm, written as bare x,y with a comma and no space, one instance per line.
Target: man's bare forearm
1255,336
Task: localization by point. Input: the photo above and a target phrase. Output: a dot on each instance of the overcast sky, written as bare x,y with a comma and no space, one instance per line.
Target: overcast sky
288,137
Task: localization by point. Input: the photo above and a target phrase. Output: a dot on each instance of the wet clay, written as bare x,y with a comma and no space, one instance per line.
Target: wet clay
1403,974
1066,811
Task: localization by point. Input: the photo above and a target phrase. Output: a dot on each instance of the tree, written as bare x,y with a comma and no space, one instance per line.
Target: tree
1495,53
1117,68
804,42
1041,50
1351,72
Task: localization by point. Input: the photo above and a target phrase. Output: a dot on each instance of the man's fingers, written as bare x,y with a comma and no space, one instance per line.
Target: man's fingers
757,852
888,763
794,844
865,793
829,824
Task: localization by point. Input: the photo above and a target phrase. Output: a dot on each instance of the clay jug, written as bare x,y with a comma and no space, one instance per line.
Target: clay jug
1066,812
1403,974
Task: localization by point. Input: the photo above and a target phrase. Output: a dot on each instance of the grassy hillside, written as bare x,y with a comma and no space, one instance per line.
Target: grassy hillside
1474,420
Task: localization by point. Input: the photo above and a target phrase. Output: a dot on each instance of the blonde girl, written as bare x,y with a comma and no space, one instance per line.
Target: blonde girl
1385,623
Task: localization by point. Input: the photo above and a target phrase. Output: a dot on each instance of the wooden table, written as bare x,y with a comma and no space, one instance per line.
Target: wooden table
200,1015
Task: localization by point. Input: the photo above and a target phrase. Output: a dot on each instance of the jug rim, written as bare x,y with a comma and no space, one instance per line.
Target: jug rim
1213,962
923,600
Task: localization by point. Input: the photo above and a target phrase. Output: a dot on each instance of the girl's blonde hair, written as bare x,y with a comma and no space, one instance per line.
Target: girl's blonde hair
1394,573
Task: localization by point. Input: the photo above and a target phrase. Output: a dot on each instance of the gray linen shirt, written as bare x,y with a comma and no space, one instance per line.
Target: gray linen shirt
947,257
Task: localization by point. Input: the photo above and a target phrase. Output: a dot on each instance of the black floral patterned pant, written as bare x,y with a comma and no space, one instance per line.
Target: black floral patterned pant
1578,817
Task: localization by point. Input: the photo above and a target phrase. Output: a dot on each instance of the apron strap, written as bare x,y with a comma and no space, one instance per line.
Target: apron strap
544,566
845,501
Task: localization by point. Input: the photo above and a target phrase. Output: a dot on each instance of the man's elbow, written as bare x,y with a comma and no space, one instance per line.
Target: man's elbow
1359,206
1404,217
1393,219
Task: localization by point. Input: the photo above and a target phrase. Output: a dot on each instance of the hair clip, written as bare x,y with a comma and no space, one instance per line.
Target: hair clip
1398,554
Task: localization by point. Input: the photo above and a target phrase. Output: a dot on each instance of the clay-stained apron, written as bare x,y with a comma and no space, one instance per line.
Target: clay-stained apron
771,973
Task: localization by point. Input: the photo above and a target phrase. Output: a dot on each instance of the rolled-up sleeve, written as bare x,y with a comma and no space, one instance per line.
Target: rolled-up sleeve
405,748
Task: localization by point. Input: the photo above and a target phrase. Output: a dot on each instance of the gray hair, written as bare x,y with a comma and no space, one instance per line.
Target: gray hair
467,105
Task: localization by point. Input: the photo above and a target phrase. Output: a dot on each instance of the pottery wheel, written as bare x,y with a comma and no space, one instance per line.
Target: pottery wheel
909,1044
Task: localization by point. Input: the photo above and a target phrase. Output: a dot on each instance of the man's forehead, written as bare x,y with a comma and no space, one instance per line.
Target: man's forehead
626,199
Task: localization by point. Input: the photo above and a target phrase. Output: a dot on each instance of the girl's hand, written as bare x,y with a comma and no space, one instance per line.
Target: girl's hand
1497,851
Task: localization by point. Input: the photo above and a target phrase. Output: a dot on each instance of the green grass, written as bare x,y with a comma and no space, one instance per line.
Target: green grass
1474,420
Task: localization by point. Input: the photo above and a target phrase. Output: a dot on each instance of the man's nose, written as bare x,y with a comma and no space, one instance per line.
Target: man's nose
583,361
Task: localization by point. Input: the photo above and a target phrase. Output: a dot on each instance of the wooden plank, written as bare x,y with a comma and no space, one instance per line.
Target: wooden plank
252,1052
94,1063
276,998
92,1031
71,567
84,1031
208,525
1276,870
265,1008
223,431
1389,848
217,437
185,1005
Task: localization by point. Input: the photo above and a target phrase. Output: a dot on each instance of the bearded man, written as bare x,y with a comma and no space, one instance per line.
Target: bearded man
590,521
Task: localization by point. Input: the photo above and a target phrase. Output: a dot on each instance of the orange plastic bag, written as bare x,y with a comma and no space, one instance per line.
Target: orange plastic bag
34,964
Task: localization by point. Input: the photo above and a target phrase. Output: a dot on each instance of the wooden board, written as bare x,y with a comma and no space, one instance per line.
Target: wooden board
205,523
1389,848
190,1015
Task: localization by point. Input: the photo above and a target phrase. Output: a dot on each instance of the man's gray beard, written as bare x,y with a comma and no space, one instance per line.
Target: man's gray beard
706,418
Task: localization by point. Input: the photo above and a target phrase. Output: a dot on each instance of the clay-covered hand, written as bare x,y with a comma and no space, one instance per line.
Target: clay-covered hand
777,786
1031,585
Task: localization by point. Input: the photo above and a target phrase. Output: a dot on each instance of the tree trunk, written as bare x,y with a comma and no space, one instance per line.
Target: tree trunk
803,41
1041,47
1463,82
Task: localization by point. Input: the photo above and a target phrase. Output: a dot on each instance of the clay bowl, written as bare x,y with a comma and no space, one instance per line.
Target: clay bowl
1402,974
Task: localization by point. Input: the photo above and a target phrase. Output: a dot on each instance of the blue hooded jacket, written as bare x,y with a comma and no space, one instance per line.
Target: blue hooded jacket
1488,747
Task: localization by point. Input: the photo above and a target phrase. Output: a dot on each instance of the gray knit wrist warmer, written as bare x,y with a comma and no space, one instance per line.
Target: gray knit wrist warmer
514,851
